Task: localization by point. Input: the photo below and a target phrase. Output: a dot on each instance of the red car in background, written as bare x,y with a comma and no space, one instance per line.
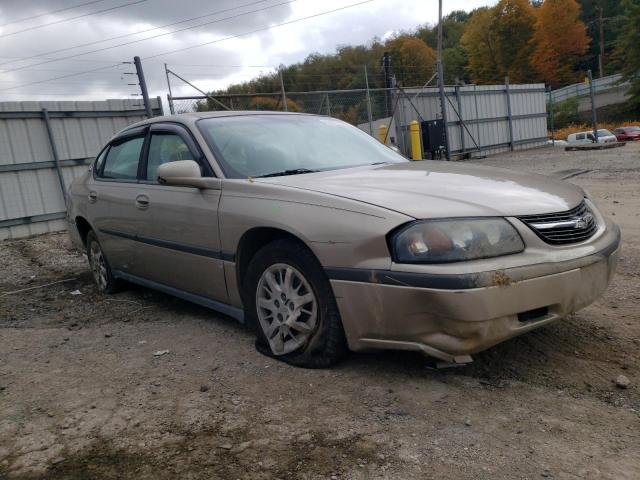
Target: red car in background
625,134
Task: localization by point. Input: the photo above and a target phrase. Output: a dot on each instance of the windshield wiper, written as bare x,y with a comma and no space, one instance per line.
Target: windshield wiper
293,171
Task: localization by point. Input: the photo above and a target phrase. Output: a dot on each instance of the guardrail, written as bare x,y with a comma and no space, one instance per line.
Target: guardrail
582,89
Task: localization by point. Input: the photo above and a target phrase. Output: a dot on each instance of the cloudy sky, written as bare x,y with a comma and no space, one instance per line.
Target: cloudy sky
75,49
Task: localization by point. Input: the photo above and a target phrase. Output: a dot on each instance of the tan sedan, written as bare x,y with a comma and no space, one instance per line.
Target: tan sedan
323,240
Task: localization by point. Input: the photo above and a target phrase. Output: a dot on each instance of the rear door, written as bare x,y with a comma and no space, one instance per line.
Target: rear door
112,192
179,237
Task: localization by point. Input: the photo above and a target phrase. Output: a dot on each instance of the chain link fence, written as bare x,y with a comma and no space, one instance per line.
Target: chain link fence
353,106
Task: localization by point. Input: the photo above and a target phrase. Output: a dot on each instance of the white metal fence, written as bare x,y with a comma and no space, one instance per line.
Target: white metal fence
484,119
43,147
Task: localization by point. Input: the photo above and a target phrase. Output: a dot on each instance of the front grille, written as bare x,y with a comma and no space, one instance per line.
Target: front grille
572,226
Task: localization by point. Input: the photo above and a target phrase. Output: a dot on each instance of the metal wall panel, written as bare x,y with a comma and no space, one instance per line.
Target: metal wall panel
31,199
484,111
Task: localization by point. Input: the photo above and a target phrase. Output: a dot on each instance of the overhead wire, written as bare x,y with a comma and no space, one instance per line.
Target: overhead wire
35,27
327,12
170,52
87,44
51,12
147,38
63,76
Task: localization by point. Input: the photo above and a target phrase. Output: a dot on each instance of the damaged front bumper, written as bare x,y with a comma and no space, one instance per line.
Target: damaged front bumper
450,317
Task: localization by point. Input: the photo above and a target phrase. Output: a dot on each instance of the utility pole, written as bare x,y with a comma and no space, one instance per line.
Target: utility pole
369,115
594,118
143,86
170,95
601,56
284,94
386,69
440,72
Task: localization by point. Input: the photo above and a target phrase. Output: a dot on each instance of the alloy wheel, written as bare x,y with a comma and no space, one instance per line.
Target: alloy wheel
98,266
287,308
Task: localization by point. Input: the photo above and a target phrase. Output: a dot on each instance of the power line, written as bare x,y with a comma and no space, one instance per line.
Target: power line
49,13
41,55
63,76
148,38
169,52
223,66
72,18
198,45
57,70
84,60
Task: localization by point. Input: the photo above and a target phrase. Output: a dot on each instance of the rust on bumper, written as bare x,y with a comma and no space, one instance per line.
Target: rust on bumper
469,313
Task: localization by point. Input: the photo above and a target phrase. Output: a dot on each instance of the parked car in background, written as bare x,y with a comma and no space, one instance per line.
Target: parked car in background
626,134
604,136
322,239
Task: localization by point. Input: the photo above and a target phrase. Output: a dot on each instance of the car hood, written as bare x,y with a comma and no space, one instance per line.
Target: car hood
432,189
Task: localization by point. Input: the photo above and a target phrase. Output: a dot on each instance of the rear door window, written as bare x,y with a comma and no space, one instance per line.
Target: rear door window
580,136
121,162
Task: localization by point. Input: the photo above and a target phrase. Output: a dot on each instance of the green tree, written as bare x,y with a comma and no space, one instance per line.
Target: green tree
514,23
629,49
613,14
454,58
480,45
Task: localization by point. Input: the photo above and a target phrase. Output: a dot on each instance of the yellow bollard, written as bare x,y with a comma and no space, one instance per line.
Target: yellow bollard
416,149
382,133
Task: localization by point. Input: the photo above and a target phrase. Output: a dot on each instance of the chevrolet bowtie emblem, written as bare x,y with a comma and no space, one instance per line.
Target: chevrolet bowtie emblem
583,222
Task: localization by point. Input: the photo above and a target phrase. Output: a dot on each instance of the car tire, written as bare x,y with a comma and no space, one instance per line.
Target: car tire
291,307
102,275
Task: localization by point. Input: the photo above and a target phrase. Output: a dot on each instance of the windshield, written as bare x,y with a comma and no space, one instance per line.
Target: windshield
631,129
604,133
257,145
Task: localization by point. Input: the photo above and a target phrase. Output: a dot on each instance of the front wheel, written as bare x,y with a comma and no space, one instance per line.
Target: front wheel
292,308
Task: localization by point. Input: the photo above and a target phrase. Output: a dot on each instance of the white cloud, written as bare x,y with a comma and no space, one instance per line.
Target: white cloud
285,44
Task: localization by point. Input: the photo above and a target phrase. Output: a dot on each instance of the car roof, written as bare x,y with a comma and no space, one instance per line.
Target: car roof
192,117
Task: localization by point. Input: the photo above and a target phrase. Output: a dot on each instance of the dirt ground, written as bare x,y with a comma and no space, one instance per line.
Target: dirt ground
82,395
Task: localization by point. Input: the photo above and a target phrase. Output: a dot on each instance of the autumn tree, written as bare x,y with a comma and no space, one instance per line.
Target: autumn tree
514,23
498,42
629,49
413,60
479,43
559,41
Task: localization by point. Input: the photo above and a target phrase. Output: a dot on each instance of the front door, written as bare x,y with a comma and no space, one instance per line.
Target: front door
179,237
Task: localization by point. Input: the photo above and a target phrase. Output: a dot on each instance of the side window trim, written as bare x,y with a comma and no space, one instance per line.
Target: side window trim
186,136
133,134
94,165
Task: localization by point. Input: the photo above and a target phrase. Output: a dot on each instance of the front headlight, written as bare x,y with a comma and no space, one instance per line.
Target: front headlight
454,240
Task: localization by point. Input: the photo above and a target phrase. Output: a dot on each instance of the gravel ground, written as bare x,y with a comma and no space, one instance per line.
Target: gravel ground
82,394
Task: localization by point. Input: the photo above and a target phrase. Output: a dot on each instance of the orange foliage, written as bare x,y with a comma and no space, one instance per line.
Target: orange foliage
413,59
497,41
271,103
560,39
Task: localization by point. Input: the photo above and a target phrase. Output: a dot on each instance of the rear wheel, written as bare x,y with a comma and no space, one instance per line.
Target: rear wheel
100,268
292,308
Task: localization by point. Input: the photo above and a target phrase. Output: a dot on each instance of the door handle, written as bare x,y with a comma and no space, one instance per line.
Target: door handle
93,196
142,202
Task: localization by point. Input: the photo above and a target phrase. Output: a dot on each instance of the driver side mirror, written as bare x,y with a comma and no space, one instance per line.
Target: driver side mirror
185,173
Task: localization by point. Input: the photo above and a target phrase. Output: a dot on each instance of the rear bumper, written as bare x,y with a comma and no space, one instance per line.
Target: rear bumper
452,323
